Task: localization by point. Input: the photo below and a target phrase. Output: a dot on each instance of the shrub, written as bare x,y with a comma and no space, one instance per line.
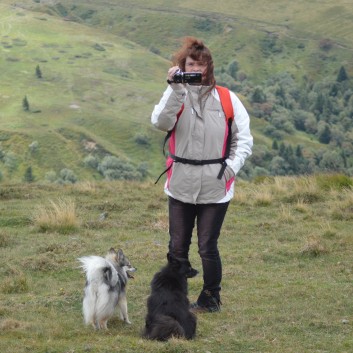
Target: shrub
334,181
67,176
33,147
113,168
91,162
142,140
50,176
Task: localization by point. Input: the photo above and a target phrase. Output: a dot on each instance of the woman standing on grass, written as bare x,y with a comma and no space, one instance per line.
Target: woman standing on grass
206,151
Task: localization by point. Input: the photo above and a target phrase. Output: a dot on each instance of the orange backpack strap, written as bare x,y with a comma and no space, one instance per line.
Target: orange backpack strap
224,96
226,102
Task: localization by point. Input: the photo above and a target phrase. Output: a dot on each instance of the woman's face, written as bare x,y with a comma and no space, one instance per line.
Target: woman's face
192,65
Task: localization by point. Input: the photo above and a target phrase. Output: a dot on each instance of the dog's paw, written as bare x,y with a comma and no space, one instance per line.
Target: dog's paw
128,321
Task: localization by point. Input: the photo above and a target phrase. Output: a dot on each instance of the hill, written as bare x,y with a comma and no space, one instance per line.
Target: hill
102,66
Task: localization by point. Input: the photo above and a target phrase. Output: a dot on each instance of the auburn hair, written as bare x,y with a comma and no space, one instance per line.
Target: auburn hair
196,50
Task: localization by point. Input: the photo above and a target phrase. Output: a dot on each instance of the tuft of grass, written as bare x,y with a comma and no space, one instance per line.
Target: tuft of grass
14,284
11,324
4,239
58,216
343,208
314,247
285,215
302,206
262,198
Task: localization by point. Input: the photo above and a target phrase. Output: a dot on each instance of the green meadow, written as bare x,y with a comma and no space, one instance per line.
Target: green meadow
286,247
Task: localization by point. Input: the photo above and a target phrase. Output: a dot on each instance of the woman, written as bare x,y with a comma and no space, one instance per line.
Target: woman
201,171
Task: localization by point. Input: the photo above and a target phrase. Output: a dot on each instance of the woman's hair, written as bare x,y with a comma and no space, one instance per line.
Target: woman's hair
197,51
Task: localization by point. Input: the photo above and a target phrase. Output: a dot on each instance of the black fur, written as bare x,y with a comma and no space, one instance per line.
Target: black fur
168,313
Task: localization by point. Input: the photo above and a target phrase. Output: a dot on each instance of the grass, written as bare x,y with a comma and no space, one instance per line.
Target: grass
287,269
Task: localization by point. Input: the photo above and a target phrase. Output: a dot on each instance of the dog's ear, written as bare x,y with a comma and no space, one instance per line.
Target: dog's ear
112,250
173,260
120,254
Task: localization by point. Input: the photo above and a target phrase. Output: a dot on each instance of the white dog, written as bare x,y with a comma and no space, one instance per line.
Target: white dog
106,280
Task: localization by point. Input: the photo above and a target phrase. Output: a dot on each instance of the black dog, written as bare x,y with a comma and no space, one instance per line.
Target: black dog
168,312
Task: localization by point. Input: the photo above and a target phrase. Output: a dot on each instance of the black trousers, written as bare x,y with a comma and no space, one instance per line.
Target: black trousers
209,218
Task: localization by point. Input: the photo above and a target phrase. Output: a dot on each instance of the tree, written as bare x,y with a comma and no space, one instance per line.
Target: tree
233,69
299,152
28,176
258,95
275,145
38,72
332,161
325,135
25,104
342,75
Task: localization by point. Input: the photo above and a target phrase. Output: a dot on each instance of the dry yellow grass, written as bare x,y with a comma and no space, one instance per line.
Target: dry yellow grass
57,215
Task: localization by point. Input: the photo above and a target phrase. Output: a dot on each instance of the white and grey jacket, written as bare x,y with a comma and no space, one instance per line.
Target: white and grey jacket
200,134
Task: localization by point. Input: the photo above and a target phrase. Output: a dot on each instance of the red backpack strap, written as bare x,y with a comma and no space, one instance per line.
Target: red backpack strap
226,102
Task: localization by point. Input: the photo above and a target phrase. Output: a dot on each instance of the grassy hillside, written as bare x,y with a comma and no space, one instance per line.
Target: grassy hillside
94,87
286,247
103,68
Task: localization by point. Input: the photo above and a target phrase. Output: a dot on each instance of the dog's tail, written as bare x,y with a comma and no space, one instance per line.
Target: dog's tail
162,328
100,274
98,270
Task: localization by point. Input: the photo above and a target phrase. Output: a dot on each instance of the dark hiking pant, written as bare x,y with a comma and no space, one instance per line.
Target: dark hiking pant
209,219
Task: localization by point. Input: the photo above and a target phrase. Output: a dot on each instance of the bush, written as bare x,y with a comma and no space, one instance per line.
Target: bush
334,181
113,168
67,176
50,176
33,147
142,140
91,162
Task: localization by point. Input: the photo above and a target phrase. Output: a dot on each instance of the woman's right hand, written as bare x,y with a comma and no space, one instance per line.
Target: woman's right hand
171,73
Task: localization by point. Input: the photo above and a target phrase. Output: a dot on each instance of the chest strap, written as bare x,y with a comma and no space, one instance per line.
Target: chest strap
177,159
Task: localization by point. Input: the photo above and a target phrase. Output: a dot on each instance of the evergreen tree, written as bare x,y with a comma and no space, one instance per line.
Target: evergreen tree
233,69
325,135
282,150
258,95
299,152
25,104
342,75
38,72
275,145
28,177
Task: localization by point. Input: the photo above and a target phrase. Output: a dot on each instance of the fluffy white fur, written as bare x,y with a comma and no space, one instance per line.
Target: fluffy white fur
106,281
100,296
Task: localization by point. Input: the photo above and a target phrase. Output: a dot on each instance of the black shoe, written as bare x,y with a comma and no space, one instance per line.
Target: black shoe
198,309
207,302
192,273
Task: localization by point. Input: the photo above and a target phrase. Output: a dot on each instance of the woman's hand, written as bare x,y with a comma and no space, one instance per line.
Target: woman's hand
171,73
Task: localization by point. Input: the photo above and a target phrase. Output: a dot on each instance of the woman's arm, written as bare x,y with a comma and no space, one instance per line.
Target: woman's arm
164,115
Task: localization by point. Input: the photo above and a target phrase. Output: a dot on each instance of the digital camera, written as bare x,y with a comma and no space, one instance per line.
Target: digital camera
187,77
